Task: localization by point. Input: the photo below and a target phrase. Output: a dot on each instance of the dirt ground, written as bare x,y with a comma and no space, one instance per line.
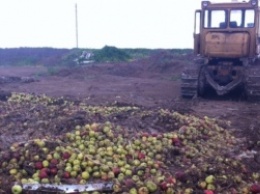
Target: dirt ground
150,84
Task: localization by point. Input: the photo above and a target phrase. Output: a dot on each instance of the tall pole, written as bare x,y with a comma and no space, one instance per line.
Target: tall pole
76,17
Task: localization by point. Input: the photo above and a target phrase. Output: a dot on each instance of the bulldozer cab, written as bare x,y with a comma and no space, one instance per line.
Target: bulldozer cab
227,30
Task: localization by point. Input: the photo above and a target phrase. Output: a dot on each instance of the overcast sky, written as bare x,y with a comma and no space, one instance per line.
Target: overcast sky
120,23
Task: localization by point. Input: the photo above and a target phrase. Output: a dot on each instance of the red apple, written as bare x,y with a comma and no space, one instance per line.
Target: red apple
38,165
141,155
66,175
66,155
145,134
54,161
171,180
43,174
255,188
53,171
154,135
208,192
16,155
181,176
176,141
163,186
116,171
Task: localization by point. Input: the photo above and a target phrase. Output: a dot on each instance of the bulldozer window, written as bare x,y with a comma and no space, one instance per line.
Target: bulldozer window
249,18
235,18
242,18
215,19
197,22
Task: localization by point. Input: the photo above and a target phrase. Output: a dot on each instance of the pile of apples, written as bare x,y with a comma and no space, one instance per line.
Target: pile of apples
197,156
67,105
93,152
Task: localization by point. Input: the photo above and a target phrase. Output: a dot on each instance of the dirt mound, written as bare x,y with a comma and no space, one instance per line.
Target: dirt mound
159,64
165,62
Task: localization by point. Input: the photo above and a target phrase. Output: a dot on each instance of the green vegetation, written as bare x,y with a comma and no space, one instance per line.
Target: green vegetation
111,54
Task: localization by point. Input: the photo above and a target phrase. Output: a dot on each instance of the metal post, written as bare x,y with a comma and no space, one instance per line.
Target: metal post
76,17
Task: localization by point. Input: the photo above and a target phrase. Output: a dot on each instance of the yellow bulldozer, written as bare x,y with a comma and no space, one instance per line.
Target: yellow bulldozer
227,49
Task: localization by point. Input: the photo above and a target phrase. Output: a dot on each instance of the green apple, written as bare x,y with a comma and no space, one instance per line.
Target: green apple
85,175
133,191
136,162
76,168
210,179
152,187
128,172
45,181
80,156
92,133
76,162
45,163
68,168
24,181
45,150
13,171
17,189
73,173
56,155
39,142
96,174
81,147
36,158
211,187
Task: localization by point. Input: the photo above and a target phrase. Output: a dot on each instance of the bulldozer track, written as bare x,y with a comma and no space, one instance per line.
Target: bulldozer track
253,88
189,83
252,83
189,87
